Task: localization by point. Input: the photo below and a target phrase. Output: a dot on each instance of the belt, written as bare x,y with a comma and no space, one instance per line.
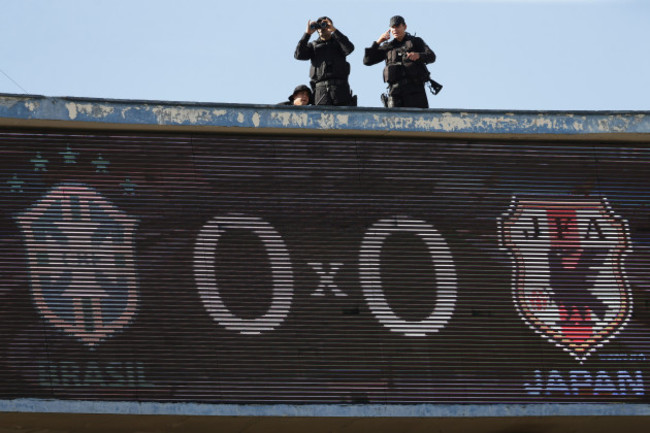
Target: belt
330,82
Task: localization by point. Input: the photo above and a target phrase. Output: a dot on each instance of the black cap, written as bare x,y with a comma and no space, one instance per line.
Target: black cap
323,18
300,88
397,20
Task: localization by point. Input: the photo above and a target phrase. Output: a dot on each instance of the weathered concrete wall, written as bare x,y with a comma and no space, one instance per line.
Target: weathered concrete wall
25,110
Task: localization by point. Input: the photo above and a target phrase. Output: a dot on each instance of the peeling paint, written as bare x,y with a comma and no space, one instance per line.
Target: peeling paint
394,122
300,120
416,410
342,119
32,105
181,115
498,122
446,122
326,121
282,116
359,119
8,102
96,111
291,119
542,122
577,125
72,110
603,124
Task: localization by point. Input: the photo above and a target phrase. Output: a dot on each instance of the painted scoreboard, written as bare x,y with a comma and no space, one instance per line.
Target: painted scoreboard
289,269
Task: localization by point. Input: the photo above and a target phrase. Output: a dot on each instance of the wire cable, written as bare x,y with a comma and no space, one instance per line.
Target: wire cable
13,81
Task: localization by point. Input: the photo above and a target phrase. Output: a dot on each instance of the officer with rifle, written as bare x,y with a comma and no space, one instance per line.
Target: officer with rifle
405,72
329,69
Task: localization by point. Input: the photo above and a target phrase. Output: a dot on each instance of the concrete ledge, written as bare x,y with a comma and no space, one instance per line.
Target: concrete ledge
82,423
325,410
31,111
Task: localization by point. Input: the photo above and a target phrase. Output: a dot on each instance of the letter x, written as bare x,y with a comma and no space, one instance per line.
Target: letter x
326,278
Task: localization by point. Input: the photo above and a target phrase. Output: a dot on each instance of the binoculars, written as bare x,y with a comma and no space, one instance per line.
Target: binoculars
318,25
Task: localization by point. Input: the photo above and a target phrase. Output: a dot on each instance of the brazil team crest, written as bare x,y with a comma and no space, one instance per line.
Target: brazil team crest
569,281
81,262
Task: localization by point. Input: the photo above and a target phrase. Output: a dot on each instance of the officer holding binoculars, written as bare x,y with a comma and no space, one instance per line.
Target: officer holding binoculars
329,69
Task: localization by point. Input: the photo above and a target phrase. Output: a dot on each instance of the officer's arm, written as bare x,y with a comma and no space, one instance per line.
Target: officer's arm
304,51
427,55
343,42
373,55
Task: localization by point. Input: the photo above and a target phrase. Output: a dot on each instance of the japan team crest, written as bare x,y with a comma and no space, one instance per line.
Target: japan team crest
81,262
569,282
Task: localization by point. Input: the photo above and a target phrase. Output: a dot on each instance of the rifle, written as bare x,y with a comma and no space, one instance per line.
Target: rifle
434,86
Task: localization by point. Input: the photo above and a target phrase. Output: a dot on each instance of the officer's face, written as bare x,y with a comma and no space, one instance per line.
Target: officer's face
324,34
398,32
301,98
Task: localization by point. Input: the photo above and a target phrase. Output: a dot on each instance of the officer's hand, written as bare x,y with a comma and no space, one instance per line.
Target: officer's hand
384,37
413,56
309,29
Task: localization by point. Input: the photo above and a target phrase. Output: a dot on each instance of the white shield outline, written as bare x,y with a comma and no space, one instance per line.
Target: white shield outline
619,295
56,261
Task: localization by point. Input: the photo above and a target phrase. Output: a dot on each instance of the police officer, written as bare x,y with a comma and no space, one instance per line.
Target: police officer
301,96
405,72
329,70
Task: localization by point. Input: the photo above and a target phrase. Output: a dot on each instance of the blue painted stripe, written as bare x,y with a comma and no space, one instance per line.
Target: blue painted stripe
326,410
164,113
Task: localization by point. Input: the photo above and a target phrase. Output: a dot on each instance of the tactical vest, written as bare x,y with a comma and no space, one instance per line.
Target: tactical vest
397,69
328,62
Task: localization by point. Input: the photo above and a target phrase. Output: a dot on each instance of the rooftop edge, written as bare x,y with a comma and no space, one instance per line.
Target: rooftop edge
33,111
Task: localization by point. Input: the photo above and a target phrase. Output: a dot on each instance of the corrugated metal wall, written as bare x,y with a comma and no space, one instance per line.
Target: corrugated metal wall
256,269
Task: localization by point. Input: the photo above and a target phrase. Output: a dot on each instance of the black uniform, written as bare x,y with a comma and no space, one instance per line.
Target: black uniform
329,70
405,78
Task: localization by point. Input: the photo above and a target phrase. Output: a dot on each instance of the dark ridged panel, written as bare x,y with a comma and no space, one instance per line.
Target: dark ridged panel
211,268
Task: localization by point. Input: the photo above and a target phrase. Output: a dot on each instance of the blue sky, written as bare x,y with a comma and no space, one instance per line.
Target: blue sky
492,54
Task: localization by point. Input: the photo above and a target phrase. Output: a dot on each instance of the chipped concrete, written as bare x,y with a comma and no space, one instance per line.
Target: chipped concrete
393,122
72,110
9,102
89,110
32,105
180,115
446,121
124,112
542,122
291,118
39,110
326,121
342,119
606,124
